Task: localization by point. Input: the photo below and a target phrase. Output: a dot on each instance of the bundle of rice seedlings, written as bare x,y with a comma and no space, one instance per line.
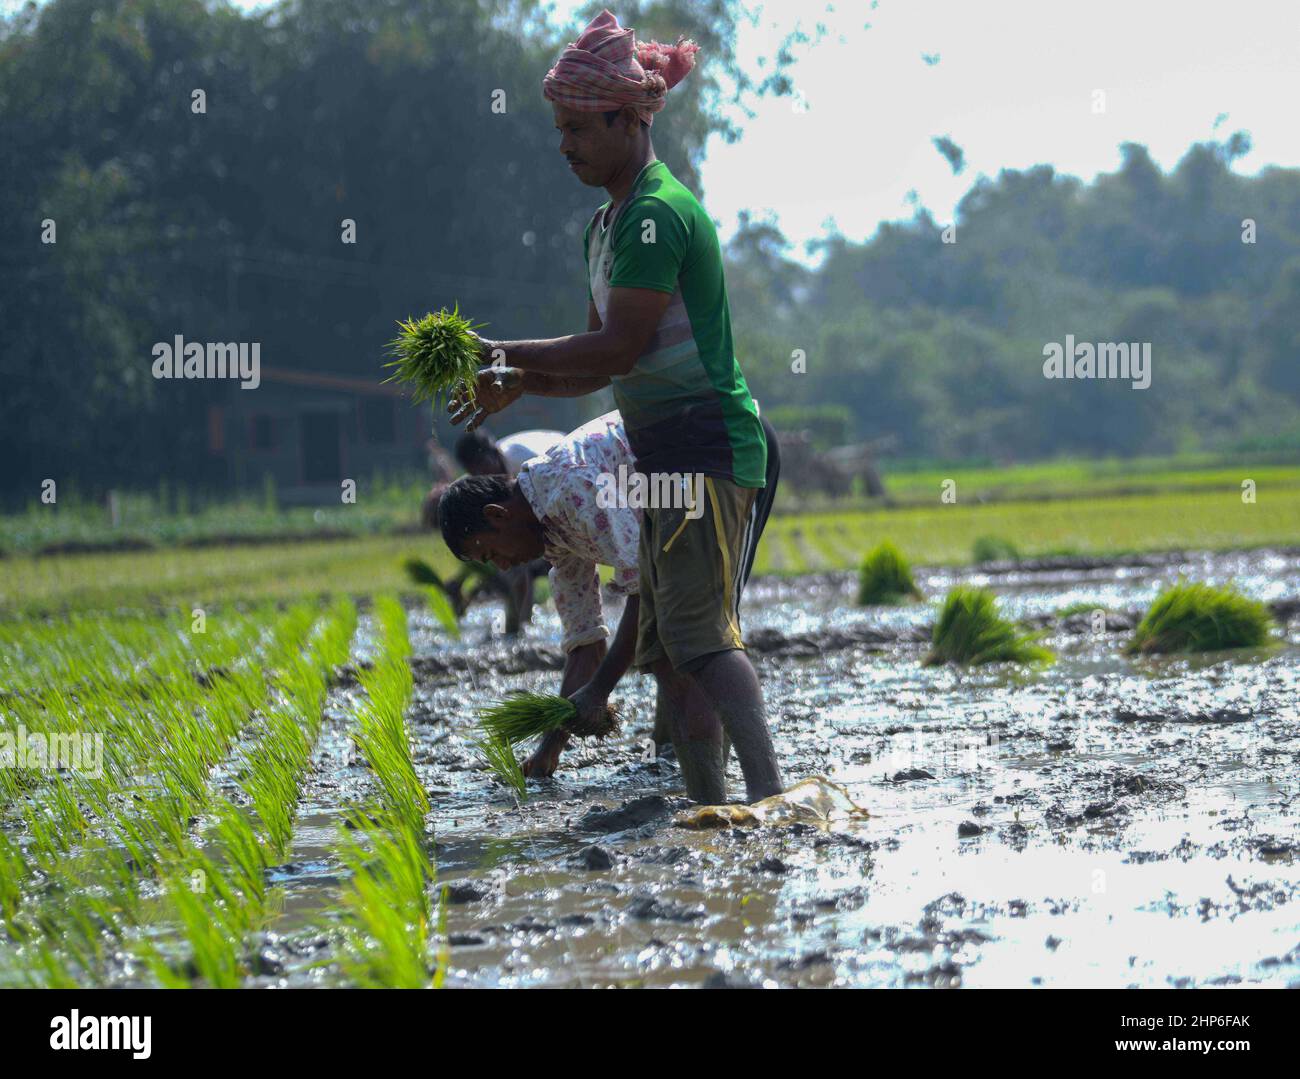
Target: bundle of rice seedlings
994,549
498,755
526,715
437,356
1201,618
970,631
885,577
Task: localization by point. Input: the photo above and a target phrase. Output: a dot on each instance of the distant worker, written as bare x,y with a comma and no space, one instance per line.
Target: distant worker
480,454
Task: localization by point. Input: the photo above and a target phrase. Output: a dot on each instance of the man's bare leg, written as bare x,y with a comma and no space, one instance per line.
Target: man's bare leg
663,732
729,681
696,735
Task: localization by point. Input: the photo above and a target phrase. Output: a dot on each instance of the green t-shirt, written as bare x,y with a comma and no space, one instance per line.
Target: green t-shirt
685,404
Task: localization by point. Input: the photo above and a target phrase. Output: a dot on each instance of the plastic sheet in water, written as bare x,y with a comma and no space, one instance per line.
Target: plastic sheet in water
815,800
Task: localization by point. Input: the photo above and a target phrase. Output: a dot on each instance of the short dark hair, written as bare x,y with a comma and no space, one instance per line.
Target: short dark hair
429,507
460,511
472,447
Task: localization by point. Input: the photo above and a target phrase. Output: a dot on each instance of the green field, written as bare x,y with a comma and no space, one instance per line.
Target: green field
190,577
173,518
944,535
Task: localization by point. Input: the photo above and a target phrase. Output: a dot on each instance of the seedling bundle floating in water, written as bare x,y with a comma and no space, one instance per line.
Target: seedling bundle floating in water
437,356
885,577
970,631
1201,618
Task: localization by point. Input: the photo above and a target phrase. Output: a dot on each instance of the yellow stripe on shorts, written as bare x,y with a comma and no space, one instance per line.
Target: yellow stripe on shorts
726,563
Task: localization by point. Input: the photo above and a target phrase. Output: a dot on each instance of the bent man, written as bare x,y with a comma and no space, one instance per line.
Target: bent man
557,508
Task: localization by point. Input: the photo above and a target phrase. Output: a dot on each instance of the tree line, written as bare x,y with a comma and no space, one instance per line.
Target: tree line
195,166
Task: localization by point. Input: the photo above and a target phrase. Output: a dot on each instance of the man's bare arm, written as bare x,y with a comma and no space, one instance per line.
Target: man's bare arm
568,385
631,320
540,385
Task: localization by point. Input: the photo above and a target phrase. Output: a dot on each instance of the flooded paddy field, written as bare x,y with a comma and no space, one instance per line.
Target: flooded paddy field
1105,821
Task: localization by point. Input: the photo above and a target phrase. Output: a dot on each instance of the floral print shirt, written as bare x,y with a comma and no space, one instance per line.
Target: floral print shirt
562,486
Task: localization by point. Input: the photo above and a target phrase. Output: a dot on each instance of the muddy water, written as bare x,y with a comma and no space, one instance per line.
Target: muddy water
1105,822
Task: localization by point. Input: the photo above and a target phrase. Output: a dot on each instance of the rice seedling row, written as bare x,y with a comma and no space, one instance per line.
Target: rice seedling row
810,559
793,554
770,557
381,726
89,878
217,921
386,924
143,805
277,758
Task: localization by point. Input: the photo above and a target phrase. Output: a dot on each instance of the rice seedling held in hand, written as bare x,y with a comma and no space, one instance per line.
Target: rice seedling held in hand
1201,618
437,356
526,715
970,631
885,577
499,756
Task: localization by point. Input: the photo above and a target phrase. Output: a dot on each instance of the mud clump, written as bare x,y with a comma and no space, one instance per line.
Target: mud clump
729,979
595,858
1137,783
1214,715
466,891
770,641
647,908
633,814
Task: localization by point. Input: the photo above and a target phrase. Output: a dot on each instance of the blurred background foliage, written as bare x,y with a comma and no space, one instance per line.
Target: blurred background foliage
226,226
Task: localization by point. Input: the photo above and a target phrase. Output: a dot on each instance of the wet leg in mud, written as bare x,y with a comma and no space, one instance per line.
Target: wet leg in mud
663,732
696,735
729,681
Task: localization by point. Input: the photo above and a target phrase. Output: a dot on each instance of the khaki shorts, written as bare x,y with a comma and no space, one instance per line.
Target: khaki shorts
692,573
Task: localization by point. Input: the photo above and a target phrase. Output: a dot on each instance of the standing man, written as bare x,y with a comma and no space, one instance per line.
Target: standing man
659,333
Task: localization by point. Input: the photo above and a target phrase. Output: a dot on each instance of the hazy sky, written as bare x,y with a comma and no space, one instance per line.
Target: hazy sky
1011,82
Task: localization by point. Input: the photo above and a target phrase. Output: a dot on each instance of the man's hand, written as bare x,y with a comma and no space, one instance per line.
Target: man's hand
495,388
591,718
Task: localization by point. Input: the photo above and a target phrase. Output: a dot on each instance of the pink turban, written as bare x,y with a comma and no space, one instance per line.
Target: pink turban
607,68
